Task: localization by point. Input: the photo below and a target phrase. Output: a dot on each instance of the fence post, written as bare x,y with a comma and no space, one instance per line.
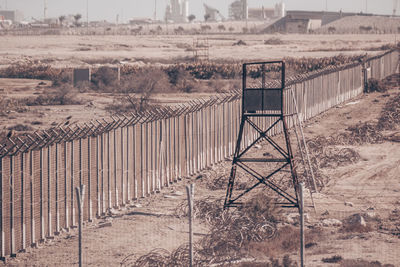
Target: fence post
302,248
190,196
80,196
90,217
2,233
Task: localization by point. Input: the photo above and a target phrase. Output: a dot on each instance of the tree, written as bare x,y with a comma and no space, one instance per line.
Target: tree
61,19
77,17
231,29
221,28
191,17
207,17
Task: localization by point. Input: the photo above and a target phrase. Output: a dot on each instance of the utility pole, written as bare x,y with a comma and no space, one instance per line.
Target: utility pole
155,9
87,17
45,10
366,6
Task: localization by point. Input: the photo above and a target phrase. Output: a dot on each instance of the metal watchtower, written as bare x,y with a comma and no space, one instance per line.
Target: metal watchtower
265,110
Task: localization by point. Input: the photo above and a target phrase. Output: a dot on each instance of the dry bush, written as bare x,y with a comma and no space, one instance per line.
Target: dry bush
34,71
230,230
333,259
363,263
285,240
63,95
184,82
286,262
136,89
20,128
390,115
240,42
8,105
105,79
374,85
273,41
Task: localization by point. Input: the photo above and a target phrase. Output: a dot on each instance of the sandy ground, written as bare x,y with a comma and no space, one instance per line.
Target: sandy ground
92,104
70,51
371,185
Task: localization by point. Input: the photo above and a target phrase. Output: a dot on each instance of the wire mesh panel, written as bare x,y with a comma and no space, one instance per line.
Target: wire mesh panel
26,221
61,185
52,189
17,199
75,182
138,161
118,167
6,198
85,175
93,174
36,196
113,168
44,194
131,163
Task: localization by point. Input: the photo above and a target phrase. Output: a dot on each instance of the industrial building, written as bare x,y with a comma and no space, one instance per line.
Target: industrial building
12,15
267,13
177,11
213,14
298,21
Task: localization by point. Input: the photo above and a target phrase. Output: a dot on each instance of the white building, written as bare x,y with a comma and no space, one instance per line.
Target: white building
280,10
177,11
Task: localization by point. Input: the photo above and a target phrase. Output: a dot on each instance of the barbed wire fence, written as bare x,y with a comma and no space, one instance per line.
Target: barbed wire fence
127,157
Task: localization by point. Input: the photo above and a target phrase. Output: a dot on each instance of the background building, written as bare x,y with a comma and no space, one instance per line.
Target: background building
13,15
177,11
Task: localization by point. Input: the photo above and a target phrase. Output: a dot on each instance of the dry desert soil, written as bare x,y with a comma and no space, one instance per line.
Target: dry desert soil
370,185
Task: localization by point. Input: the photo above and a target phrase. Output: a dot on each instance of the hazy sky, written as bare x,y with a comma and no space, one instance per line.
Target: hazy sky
108,9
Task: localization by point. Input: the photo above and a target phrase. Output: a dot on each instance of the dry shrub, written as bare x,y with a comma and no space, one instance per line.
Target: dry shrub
240,42
33,71
105,79
333,259
62,95
184,82
136,91
374,85
286,262
273,41
363,263
285,240
8,105
20,128
352,225
390,116
230,231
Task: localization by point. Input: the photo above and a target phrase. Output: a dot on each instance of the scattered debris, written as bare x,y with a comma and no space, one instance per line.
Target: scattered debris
350,204
240,42
331,222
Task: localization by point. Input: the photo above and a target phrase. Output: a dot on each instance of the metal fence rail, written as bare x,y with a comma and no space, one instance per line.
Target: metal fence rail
131,157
